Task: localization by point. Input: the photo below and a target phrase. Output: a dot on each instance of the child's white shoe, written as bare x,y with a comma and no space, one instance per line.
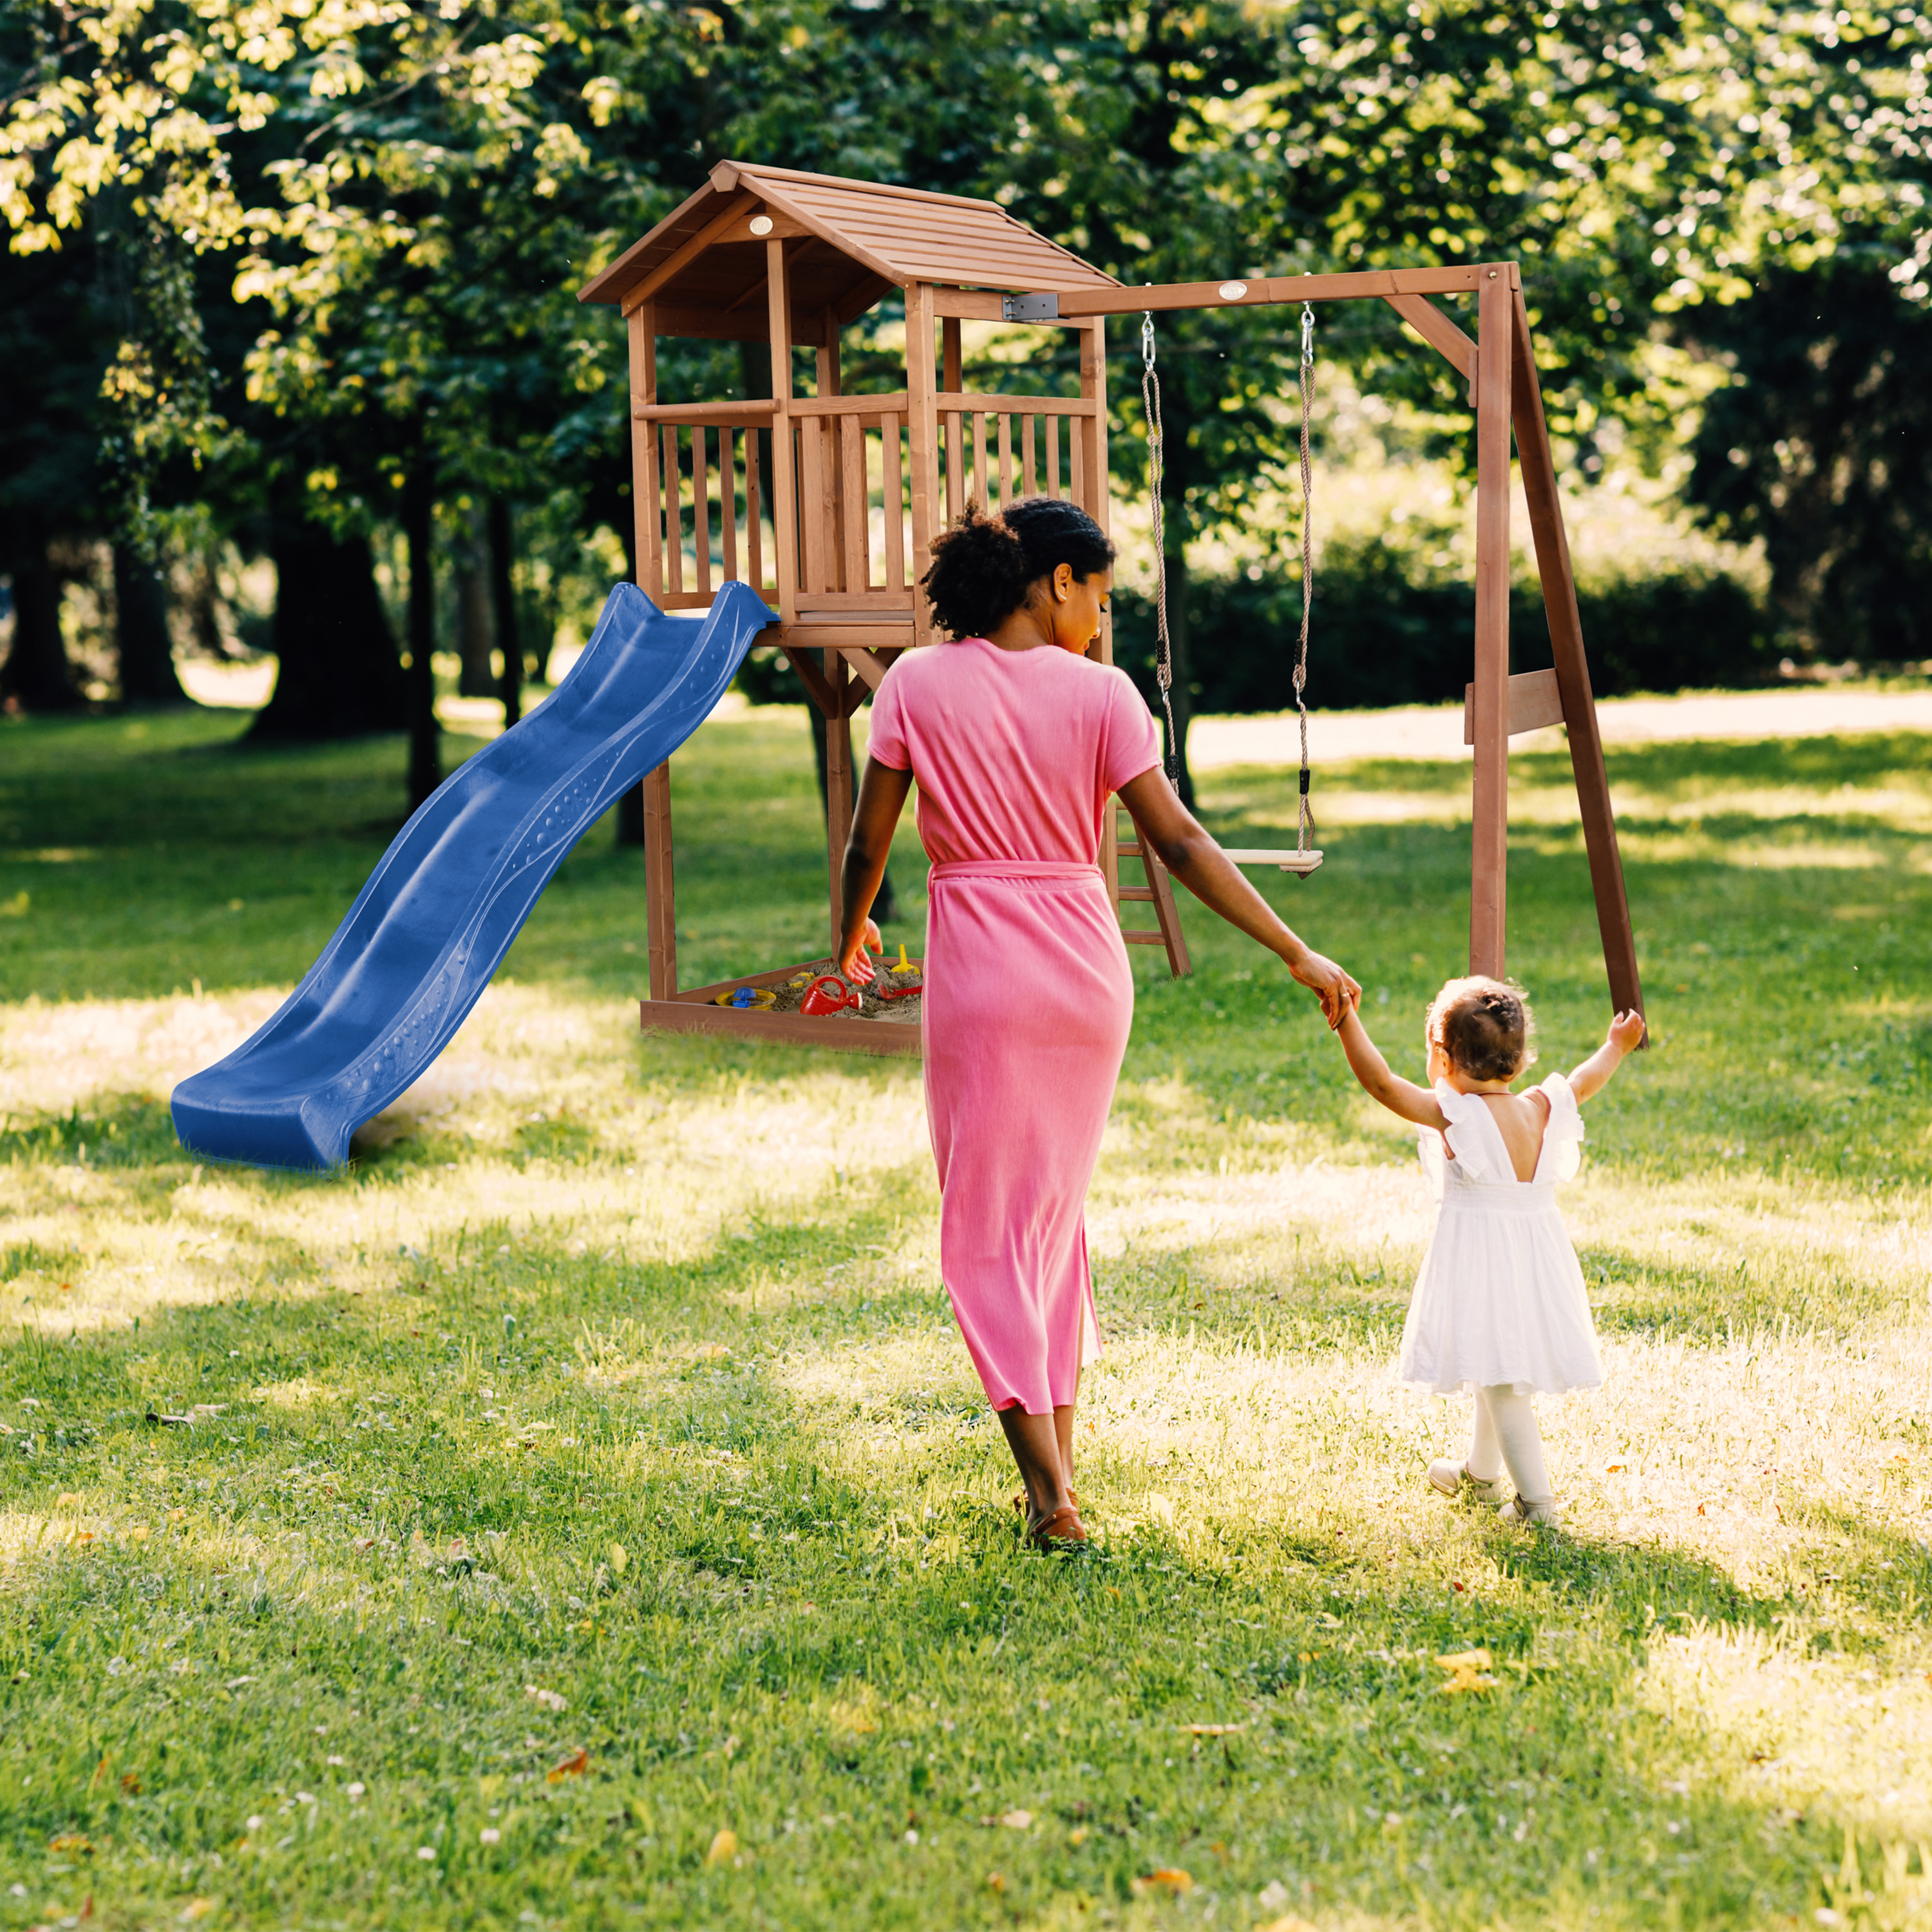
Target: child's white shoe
1544,1515
1452,1478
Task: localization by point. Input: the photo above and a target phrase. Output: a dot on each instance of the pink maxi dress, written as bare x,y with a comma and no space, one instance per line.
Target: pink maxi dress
1029,996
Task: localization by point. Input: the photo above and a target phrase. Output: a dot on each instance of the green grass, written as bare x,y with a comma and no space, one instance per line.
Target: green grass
617,1370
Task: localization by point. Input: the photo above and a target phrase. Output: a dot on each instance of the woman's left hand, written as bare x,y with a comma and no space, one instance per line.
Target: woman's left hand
855,967
1336,989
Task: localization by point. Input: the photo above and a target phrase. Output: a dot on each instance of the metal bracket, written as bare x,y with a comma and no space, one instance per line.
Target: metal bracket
1030,308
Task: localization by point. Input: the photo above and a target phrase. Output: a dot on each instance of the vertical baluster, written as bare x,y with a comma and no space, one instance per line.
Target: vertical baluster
815,495
1075,453
674,515
727,494
700,507
893,492
1051,426
858,514
1029,482
1006,460
754,535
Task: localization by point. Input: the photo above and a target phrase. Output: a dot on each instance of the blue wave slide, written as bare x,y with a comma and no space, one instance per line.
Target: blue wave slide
439,913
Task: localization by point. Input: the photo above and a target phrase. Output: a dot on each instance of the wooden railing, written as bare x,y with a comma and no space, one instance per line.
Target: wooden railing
855,503
981,464
706,467
703,471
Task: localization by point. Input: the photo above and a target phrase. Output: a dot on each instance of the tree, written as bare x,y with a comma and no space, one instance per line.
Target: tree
1820,445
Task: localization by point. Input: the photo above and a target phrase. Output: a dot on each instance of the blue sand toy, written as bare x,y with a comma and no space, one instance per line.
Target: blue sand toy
440,911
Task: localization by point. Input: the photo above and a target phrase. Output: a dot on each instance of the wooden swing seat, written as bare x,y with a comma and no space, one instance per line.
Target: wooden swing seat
1303,863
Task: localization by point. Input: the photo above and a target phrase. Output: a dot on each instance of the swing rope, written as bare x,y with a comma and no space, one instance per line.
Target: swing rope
1306,819
1163,656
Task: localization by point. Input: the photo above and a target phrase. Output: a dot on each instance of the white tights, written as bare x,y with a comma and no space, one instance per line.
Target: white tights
1506,1436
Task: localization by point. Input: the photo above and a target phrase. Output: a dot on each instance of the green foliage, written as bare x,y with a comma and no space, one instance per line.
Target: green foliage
1387,629
1820,447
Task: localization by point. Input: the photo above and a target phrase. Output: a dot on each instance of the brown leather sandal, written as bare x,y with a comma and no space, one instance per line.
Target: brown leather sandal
1020,1500
1062,1530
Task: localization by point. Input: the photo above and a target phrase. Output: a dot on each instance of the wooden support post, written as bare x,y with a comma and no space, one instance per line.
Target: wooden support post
1573,673
1488,867
838,785
660,897
922,446
644,485
784,468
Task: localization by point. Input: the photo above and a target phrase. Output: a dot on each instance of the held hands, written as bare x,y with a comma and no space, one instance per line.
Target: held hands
855,966
1330,983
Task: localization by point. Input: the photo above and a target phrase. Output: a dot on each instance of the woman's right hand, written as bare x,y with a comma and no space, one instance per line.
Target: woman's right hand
1335,989
855,966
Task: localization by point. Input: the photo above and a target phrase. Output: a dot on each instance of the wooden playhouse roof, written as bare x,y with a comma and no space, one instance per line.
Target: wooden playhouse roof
847,242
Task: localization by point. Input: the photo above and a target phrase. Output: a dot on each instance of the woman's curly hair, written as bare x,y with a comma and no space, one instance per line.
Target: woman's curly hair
1484,1027
984,568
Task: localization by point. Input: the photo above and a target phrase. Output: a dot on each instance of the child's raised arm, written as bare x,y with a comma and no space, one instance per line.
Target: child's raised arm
1593,1076
1403,1098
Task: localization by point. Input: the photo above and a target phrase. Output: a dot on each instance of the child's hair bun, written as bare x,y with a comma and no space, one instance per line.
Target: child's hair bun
1484,1027
984,568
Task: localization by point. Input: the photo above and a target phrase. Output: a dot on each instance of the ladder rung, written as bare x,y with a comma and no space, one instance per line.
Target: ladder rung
1130,848
1137,893
1145,938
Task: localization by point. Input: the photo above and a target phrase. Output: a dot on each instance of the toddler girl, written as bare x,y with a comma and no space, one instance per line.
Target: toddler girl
1499,1307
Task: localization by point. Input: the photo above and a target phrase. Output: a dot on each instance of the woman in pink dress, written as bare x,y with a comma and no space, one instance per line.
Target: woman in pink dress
1018,738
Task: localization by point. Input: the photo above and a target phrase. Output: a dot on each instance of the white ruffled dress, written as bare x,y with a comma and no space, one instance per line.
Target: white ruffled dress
1500,1298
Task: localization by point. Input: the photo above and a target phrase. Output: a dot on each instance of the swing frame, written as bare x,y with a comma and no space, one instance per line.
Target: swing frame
789,260
1499,364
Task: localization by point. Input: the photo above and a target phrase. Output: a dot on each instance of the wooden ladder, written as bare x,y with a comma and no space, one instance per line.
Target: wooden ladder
1159,893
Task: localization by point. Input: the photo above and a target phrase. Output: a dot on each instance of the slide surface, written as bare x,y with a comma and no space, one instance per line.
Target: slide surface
439,913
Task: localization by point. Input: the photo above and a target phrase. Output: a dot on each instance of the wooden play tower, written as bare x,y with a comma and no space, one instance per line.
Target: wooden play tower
826,504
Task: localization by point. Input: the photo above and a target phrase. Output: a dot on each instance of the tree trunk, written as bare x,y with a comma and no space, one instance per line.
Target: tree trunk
503,595
475,634
425,751
37,675
338,674
141,627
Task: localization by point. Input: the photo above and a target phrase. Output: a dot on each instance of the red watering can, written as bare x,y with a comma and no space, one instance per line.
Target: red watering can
827,994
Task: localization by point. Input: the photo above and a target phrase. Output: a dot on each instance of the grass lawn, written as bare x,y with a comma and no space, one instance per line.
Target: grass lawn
585,1514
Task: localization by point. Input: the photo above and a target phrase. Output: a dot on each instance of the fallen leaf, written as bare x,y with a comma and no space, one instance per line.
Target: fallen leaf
67,1499
1468,1670
551,1700
139,1534
178,1516
1213,1730
1079,1836
619,1558
995,1882
130,1784
571,1767
723,1848
1287,1923
70,1841
196,1908
1017,1821
1169,1878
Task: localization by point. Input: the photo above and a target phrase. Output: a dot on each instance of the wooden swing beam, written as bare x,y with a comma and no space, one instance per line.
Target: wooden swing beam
1500,365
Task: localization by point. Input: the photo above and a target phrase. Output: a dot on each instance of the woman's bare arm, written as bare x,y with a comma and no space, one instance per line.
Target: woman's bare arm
1402,1097
882,797
1173,833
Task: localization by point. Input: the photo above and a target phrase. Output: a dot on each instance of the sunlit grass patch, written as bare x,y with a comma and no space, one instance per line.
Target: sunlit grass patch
583,1508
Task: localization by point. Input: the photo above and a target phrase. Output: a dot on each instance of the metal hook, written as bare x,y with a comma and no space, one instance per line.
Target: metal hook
1307,336
1146,340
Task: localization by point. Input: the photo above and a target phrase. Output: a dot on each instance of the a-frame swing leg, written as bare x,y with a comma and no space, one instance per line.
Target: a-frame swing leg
1573,670
1489,857
1159,893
